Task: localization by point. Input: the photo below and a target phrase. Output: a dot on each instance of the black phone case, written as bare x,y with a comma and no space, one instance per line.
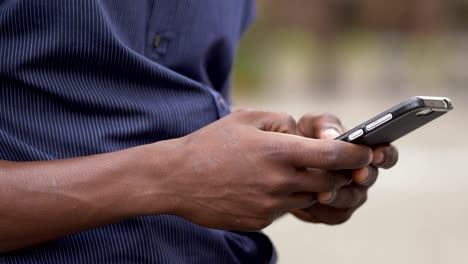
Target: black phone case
405,119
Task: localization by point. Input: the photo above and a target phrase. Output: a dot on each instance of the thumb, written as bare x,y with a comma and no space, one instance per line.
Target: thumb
329,133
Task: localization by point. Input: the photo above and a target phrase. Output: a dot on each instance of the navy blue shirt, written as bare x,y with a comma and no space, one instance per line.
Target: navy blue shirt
81,77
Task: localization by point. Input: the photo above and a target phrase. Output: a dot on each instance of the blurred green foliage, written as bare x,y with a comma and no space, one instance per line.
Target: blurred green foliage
424,37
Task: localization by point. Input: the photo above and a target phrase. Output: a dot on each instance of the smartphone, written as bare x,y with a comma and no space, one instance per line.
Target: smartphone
398,121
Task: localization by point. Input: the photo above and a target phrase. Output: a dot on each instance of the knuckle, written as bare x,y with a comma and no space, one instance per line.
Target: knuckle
277,151
285,116
278,185
266,213
270,207
337,179
309,116
294,151
246,113
331,118
305,124
330,156
288,123
362,155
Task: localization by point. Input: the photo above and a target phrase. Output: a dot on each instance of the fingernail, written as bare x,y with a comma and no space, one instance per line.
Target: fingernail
371,178
371,156
379,158
326,197
362,176
367,179
329,133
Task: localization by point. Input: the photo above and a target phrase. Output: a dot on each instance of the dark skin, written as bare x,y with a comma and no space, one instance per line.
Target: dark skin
239,173
337,207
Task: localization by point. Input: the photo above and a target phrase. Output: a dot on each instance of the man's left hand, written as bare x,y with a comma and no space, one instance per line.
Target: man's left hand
337,207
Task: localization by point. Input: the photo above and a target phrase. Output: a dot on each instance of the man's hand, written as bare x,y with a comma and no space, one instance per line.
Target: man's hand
239,173
247,169
337,207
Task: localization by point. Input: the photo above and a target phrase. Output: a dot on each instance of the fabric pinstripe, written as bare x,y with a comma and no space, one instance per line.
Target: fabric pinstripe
94,76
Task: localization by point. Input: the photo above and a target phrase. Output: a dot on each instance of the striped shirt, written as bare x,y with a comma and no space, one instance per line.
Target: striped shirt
82,77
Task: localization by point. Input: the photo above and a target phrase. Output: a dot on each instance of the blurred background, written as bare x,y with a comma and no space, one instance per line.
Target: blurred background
356,58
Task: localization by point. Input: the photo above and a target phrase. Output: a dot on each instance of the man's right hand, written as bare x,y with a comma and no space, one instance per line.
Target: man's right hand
247,169
239,173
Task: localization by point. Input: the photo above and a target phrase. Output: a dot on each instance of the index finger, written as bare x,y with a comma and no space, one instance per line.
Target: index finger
326,126
304,152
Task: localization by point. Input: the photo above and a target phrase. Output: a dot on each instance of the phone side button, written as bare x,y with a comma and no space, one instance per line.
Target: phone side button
379,122
355,135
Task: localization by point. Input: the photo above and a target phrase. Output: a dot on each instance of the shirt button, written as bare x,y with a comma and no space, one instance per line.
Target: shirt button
222,103
157,41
